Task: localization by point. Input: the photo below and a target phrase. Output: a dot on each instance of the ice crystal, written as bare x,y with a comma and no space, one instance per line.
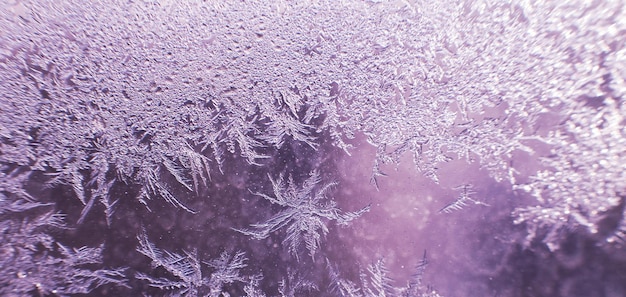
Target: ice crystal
32,262
305,209
376,282
584,177
465,197
187,272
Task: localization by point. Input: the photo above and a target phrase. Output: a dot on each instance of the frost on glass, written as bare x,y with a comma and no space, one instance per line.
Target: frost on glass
218,128
306,208
375,281
32,261
186,271
583,183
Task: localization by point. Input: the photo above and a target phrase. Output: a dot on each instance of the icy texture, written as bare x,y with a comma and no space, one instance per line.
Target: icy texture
187,271
306,208
32,262
585,180
376,282
142,102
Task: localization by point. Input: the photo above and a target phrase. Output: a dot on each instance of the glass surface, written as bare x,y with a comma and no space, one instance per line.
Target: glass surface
312,148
